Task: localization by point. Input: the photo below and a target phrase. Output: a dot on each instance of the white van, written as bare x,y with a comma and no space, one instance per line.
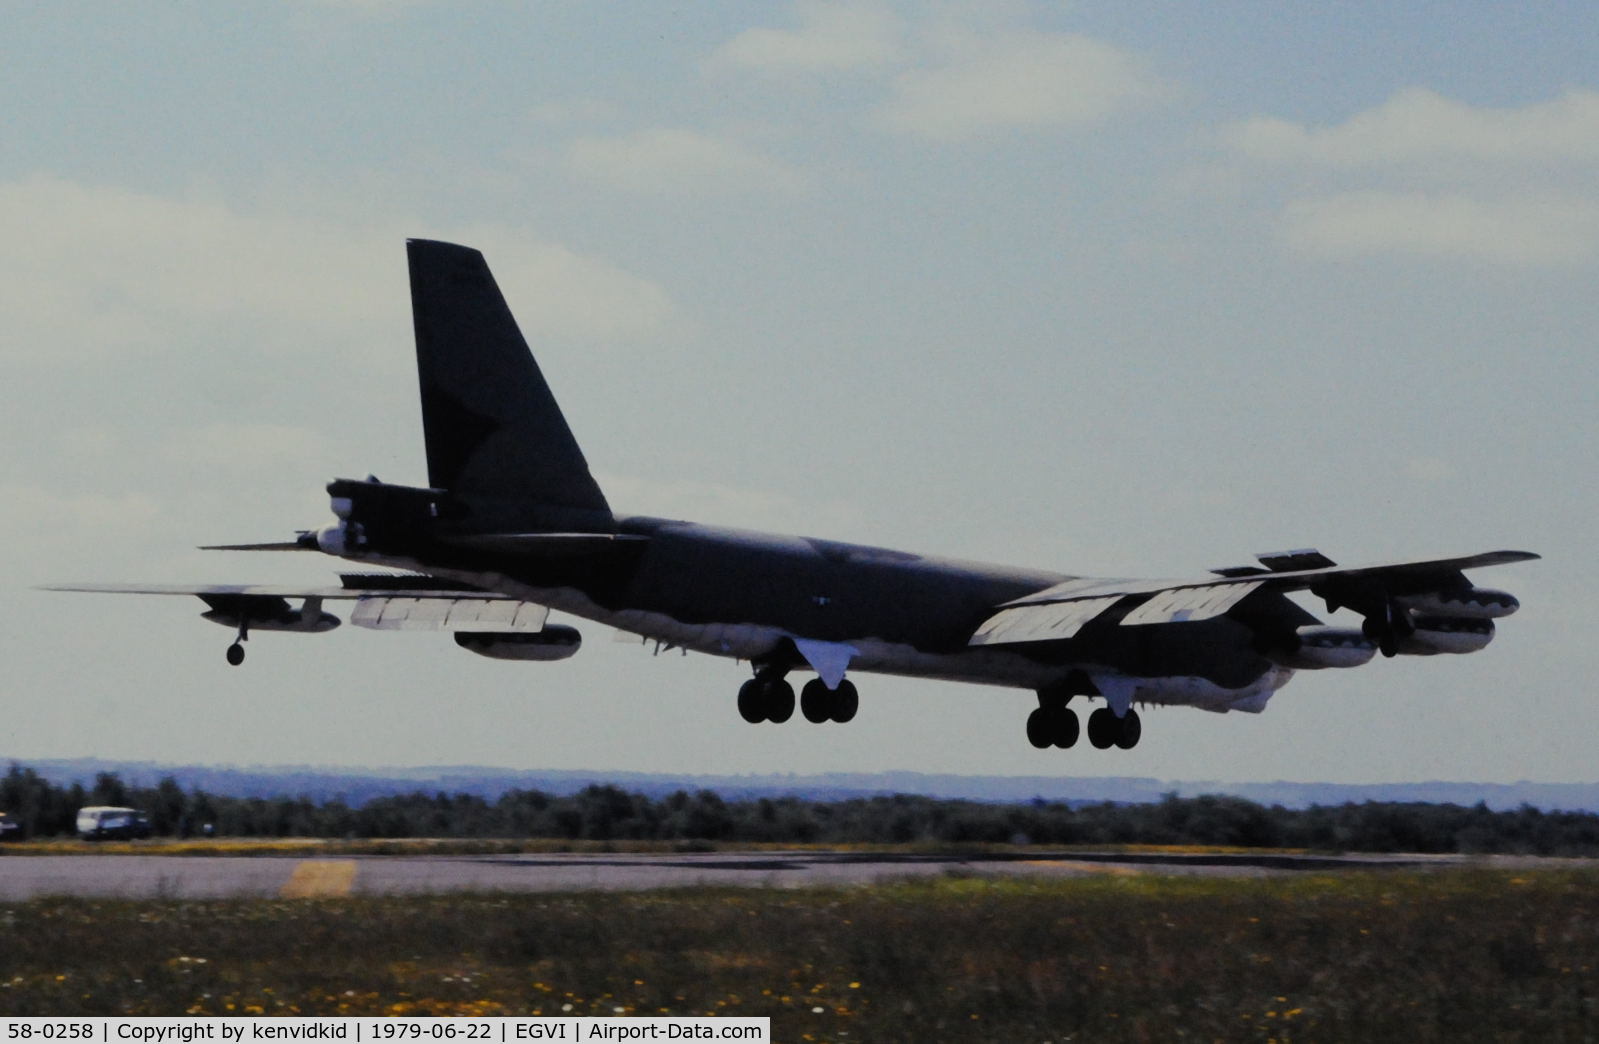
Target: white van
98,822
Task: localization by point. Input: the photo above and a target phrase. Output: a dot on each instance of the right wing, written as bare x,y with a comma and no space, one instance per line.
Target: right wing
1393,597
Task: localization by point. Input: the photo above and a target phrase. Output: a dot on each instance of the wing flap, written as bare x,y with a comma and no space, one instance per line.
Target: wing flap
497,616
1040,623
1185,604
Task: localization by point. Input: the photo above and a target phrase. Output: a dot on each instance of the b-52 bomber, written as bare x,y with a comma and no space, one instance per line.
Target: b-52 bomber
512,525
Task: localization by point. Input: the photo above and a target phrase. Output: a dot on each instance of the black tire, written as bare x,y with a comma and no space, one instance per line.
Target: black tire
1131,729
846,701
779,699
1039,733
1103,728
816,701
1066,729
235,654
751,706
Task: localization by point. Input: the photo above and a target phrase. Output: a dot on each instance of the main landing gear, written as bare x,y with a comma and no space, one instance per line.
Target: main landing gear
1054,725
767,697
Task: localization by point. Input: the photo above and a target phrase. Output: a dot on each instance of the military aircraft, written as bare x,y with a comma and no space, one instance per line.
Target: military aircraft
512,525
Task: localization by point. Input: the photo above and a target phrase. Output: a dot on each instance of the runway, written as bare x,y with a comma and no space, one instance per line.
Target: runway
211,877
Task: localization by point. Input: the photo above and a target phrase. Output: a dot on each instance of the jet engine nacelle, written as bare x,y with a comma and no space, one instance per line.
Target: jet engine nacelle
555,642
1446,634
1478,603
1319,646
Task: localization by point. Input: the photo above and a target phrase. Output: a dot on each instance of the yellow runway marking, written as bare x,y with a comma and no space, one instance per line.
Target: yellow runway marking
320,879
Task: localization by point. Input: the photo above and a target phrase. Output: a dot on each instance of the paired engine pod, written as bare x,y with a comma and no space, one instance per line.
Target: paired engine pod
1478,603
554,642
1319,646
1446,634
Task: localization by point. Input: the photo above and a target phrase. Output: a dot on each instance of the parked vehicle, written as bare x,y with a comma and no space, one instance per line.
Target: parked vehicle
103,822
10,829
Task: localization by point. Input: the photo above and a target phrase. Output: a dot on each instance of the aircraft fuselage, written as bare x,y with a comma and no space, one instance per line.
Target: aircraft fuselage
749,595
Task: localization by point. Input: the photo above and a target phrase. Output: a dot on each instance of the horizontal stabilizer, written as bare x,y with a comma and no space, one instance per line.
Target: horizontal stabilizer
277,545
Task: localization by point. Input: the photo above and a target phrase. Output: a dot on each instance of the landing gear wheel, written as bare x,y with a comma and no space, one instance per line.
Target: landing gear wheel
1039,734
1103,728
816,701
750,703
235,654
846,701
1131,729
778,696
1052,727
1066,729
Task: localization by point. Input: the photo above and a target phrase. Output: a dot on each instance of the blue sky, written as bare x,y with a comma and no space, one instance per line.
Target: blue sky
1127,289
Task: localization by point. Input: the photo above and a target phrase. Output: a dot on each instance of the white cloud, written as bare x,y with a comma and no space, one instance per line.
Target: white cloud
109,270
669,161
1016,80
1427,176
1418,127
831,37
1531,230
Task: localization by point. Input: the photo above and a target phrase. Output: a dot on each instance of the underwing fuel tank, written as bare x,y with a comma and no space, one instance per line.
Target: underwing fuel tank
554,642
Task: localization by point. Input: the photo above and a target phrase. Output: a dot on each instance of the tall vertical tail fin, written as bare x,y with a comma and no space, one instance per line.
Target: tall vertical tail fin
495,437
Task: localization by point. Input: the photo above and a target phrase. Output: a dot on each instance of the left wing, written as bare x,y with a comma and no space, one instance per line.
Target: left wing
1397,599
484,621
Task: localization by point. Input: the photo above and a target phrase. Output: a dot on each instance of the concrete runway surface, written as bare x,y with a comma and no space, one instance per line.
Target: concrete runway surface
209,877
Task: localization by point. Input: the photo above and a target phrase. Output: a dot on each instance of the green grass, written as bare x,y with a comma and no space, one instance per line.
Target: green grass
1449,955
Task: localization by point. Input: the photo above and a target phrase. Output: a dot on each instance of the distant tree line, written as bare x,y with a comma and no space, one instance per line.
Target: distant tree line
608,813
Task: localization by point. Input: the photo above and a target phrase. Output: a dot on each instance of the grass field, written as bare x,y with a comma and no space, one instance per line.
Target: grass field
1444,955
